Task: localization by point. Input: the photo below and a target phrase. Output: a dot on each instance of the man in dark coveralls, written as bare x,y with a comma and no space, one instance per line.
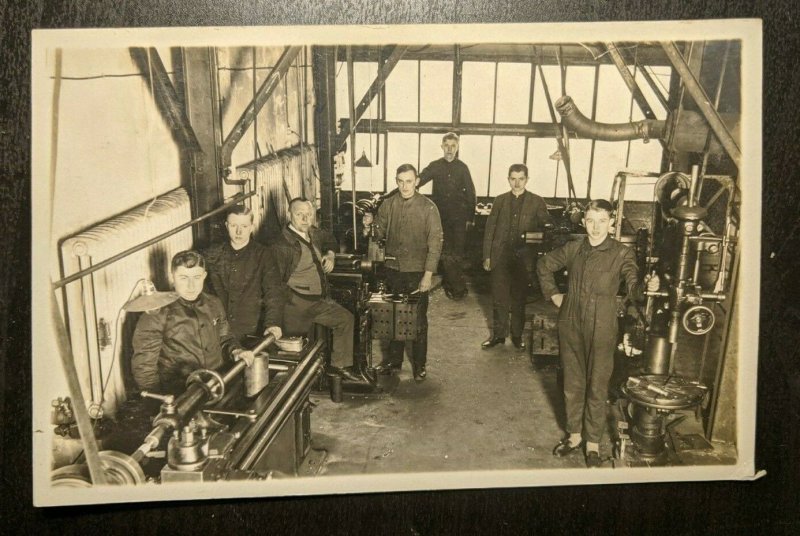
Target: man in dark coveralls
508,258
238,275
454,195
410,224
587,322
188,334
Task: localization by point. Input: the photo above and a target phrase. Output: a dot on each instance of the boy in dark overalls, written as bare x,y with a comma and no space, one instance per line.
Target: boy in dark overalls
587,322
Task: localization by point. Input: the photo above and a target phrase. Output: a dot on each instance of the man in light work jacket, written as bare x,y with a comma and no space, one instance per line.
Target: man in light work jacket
237,272
508,258
297,291
411,226
454,195
587,322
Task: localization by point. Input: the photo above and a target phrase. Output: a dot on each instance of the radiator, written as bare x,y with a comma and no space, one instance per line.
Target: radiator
100,342
278,179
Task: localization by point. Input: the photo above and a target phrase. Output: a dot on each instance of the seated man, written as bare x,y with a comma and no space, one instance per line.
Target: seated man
297,291
188,334
238,275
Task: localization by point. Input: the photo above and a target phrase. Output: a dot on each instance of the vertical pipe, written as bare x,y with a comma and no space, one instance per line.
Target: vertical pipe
352,114
90,448
491,138
594,141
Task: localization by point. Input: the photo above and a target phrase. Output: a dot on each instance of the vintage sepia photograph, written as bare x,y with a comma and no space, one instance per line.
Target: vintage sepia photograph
315,260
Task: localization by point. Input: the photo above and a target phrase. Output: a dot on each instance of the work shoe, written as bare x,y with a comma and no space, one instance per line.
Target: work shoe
564,448
387,368
492,341
518,343
593,459
420,374
344,373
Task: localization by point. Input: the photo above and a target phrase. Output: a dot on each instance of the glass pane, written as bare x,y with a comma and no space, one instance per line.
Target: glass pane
364,74
367,179
552,75
506,150
401,92
477,92
580,86
436,91
579,151
609,159
613,97
541,170
474,152
430,150
661,76
402,150
513,92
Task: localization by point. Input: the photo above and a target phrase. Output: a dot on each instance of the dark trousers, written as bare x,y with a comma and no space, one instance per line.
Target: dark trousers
301,312
455,240
509,279
587,361
405,283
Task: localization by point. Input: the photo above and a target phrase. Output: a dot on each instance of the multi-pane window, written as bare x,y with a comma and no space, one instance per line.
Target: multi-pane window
504,119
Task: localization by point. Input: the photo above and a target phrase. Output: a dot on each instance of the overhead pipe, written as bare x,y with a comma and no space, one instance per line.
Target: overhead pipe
585,127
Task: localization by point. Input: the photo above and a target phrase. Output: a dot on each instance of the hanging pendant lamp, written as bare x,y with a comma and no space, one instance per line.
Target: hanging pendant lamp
363,161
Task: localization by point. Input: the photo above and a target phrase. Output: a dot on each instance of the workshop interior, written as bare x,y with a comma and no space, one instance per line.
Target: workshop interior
151,146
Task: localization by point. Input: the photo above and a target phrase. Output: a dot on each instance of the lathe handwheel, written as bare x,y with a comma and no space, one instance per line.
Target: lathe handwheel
698,320
216,391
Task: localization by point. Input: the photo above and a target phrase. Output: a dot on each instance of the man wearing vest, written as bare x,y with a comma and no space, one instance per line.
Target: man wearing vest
413,231
508,258
297,291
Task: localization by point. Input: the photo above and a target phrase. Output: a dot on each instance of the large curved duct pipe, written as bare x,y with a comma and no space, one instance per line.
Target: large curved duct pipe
586,128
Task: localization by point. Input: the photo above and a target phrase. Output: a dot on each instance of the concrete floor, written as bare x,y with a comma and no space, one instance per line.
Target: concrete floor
477,410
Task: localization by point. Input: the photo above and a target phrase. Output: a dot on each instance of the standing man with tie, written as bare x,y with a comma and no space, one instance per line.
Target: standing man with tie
508,258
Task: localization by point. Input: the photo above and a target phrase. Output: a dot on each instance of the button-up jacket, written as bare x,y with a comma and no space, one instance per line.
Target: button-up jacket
453,190
178,338
239,279
413,233
595,274
532,217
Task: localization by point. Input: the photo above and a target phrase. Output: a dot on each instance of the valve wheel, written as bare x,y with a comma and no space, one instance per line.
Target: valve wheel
216,391
698,320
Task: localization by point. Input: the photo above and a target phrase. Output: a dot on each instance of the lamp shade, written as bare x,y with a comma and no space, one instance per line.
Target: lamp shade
363,161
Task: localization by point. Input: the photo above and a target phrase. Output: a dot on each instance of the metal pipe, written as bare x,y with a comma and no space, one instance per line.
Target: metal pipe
276,422
242,454
78,275
700,98
352,135
583,126
262,96
629,80
693,185
85,428
196,394
377,84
